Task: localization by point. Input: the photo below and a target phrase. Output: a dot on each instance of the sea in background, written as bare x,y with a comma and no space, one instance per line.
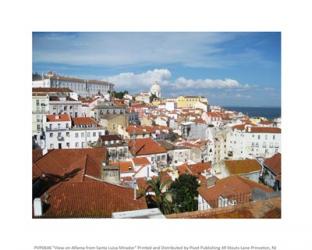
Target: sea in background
267,112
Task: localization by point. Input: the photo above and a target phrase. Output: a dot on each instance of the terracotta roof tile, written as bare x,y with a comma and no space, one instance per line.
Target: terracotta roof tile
124,166
140,161
145,146
58,118
87,121
62,162
232,187
199,168
242,166
90,199
265,130
274,164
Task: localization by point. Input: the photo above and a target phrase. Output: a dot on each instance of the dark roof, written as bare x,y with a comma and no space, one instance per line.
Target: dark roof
274,164
36,154
110,138
50,90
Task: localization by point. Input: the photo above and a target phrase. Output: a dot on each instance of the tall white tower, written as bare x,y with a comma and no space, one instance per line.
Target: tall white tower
155,89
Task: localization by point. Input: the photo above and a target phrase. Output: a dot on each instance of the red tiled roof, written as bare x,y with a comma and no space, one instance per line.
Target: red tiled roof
242,166
141,161
194,169
145,146
58,118
78,121
90,199
62,162
124,166
199,168
232,187
274,164
265,130
184,169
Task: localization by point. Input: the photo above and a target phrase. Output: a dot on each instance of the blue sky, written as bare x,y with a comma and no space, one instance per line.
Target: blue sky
230,68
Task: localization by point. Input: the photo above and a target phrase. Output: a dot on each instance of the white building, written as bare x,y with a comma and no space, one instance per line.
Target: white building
143,97
80,86
246,141
170,106
155,90
61,134
40,109
65,105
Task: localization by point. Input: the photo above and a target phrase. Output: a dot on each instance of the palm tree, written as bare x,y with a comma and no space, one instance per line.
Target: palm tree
160,197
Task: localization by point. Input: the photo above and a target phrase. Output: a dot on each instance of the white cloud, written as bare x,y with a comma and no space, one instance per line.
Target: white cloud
143,80
208,83
163,76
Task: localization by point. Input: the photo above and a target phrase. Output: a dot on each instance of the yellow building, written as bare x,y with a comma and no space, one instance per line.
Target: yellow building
190,101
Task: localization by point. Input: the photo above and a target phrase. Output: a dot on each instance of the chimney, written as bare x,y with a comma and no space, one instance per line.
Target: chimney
44,151
37,207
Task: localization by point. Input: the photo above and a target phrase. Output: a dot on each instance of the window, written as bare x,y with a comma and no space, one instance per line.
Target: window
94,134
51,135
37,102
67,134
76,145
67,144
51,146
67,125
82,134
58,125
38,126
258,137
266,137
273,137
76,135
88,134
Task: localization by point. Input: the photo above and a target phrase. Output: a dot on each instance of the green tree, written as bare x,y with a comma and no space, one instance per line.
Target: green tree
153,97
120,94
184,193
161,197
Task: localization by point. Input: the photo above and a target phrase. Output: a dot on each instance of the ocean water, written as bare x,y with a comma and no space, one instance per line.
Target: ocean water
267,112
